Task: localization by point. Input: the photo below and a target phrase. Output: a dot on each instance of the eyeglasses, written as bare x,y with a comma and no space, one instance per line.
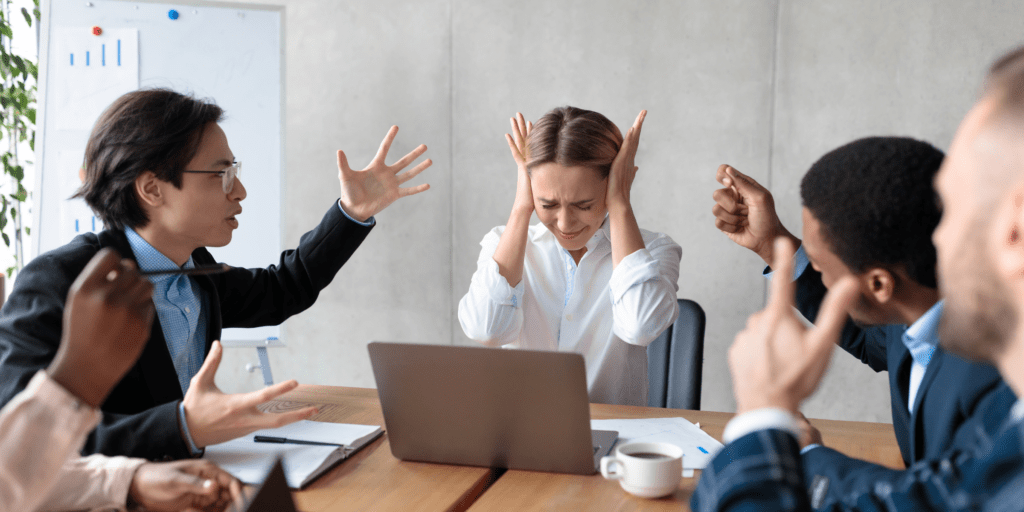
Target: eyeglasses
228,174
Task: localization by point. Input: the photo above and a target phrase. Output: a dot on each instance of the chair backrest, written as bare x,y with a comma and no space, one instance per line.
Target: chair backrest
675,361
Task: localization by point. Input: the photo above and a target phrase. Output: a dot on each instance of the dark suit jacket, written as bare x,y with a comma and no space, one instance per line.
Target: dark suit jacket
954,396
140,417
761,471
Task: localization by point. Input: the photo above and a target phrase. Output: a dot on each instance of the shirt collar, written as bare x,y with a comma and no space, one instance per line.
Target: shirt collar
149,258
922,337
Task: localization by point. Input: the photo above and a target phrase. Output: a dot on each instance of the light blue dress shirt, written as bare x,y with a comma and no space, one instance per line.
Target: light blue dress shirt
181,309
921,339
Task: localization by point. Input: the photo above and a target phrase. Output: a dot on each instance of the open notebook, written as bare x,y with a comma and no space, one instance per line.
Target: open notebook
249,461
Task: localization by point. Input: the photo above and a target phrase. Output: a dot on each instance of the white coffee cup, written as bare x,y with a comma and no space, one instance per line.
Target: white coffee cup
647,470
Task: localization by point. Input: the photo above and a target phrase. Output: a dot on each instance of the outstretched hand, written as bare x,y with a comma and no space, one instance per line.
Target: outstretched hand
620,179
745,212
517,144
776,361
367,192
215,417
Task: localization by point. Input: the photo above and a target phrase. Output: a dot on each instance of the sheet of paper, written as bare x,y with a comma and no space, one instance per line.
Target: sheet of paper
90,72
250,461
698,447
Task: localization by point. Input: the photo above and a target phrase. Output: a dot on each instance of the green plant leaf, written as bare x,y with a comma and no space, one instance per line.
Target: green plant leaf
18,172
28,230
28,17
5,29
7,239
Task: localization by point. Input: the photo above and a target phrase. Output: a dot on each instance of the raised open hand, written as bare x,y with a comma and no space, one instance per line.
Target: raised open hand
776,361
215,417
620,180
107,321
365,193
521,129
745,212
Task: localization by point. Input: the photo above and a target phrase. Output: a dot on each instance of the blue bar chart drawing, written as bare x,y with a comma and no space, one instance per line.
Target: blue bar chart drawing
98,69
103,55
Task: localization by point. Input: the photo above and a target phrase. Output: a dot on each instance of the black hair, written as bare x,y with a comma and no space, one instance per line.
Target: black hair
876,204
156,130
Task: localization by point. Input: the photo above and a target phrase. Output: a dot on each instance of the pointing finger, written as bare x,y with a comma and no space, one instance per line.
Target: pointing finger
835,309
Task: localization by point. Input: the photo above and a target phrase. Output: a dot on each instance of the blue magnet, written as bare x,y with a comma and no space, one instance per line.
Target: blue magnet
172,14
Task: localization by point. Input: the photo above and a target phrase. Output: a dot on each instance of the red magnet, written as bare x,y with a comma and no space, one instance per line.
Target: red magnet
97,31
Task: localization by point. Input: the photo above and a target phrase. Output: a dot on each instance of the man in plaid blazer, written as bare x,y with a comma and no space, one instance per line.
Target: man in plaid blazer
777,363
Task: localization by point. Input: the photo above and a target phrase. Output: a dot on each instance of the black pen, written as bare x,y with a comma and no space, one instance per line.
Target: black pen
285,440
195,271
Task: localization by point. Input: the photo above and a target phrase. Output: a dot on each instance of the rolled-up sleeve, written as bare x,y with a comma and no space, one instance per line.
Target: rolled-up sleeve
491,311
40,429
643,291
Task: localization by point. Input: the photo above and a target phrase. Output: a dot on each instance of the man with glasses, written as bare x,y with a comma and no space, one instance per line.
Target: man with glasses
161,176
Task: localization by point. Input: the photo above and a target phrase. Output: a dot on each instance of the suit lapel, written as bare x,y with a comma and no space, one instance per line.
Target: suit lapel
214,321
899,385
916,426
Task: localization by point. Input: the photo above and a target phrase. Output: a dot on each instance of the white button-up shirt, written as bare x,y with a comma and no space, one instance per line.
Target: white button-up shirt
607,315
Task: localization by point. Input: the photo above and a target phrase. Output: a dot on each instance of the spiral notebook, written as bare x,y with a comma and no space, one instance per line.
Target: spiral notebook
250,461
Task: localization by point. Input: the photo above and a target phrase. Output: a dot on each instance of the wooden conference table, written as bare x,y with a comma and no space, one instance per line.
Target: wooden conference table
373,479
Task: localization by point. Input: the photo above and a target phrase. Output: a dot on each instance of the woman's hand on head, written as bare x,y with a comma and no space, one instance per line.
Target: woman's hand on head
521,129
620,179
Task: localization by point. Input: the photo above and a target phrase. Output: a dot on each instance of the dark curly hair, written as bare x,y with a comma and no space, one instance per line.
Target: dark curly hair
146,130
876,205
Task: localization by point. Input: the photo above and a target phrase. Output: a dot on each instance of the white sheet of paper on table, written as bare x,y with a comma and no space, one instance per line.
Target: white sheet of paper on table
698,447
249,461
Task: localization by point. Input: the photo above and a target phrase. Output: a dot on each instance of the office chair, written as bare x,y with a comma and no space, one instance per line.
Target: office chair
675,361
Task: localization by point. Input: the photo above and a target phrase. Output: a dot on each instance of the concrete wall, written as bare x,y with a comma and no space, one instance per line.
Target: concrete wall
767,86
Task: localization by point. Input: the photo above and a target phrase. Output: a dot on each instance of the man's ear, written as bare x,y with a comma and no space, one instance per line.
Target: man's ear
149,189
1009,253
880,284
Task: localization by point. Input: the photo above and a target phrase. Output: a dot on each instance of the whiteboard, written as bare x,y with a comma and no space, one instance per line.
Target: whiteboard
231,53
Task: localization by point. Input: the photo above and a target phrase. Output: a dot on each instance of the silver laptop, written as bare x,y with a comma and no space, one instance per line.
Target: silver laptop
515,409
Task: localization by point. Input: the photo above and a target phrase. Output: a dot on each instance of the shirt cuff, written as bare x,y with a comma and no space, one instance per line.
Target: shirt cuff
768,418
636,268
195,451
499,290
82,415
114,474
368,222
799,266
808,448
